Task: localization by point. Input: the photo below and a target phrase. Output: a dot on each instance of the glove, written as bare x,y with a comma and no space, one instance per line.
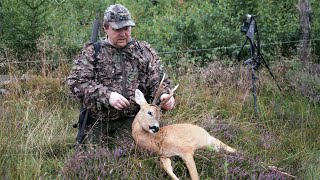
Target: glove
117,101
168,105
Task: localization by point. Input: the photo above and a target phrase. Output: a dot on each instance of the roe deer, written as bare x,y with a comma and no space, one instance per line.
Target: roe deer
172,140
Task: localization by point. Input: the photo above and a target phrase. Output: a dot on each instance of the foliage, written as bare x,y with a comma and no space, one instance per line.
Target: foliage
28,24
194,27
315,29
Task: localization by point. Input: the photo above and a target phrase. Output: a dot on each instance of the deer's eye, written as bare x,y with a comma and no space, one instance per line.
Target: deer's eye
150,113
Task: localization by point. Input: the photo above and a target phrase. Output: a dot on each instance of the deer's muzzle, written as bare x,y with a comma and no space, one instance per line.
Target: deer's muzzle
154,129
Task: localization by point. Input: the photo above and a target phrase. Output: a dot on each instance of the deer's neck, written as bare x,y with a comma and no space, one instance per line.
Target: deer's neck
143,138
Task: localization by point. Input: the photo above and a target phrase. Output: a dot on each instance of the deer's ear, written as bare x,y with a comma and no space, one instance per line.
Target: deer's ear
139,97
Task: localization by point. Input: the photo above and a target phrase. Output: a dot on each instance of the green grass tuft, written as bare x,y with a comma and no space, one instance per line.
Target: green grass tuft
37,138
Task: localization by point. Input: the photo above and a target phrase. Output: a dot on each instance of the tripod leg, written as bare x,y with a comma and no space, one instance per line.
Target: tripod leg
254,91
267,66
238,56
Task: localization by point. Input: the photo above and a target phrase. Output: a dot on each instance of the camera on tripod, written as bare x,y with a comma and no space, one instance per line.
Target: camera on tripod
249,28
246,22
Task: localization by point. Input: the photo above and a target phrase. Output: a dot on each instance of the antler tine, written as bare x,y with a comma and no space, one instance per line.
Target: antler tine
158,93
171,93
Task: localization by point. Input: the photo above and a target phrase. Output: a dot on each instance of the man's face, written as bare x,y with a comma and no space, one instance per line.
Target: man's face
119,38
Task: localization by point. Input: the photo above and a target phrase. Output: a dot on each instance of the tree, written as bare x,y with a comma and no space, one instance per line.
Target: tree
23,23
304,48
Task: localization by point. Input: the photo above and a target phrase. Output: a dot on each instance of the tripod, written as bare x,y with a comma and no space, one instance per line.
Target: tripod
249,27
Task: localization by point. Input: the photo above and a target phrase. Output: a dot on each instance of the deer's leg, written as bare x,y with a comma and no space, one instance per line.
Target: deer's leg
220,145
166,164
191,165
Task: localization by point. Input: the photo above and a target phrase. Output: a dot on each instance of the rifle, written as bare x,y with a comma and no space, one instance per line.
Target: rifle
84,111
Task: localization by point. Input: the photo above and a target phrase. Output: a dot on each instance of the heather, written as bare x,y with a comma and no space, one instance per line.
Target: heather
37,138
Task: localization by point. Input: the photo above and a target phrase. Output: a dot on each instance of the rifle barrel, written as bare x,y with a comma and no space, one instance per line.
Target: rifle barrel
95,31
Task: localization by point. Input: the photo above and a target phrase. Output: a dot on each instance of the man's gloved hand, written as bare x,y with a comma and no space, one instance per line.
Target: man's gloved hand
117,101
168,105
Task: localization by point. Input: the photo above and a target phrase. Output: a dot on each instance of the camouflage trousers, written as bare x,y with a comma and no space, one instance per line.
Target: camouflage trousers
107,133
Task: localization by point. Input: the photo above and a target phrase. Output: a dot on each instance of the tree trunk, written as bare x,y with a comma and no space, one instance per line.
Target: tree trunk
304,47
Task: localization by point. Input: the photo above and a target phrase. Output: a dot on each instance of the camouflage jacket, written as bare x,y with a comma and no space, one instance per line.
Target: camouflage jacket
117,70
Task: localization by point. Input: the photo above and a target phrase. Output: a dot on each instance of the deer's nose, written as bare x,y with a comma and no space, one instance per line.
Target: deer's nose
154,129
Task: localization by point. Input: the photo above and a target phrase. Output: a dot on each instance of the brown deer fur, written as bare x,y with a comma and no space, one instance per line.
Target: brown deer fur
172,140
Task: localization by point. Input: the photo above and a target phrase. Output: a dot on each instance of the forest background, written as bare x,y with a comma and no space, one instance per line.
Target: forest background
198,42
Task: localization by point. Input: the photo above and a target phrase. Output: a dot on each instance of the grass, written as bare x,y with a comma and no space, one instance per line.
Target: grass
36,134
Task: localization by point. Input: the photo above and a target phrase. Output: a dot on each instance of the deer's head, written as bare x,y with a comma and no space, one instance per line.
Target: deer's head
149,115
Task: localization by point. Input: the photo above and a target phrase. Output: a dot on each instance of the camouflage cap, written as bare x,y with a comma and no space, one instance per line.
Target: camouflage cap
118,16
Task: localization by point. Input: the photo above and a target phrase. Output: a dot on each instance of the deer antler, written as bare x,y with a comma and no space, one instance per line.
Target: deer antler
171,93
159,90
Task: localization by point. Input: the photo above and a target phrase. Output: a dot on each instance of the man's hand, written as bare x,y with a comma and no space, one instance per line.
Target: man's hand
168,105
117,101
